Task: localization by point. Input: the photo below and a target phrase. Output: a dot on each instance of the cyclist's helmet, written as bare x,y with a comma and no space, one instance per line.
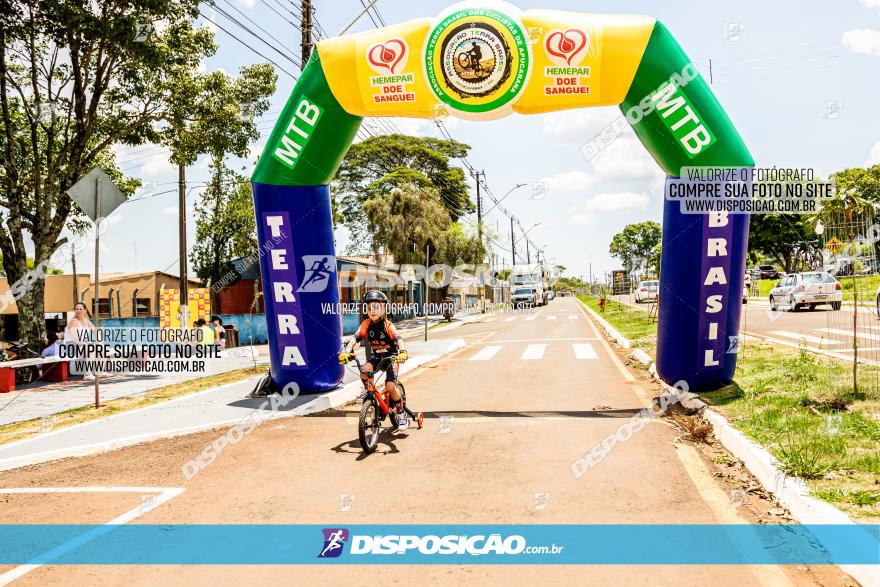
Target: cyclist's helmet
375,296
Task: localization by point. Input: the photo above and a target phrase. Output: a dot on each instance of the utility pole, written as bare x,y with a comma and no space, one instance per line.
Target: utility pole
477,175
306,8
181,227
528,255
75,278
512,244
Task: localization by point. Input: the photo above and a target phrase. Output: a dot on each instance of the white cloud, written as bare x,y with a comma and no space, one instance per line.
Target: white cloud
875,4
620,202
569,181
863,41
578,126
247,3
582,218
208,24
874,156
172,210
626,159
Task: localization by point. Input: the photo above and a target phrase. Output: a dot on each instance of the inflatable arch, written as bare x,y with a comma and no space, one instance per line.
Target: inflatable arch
484,60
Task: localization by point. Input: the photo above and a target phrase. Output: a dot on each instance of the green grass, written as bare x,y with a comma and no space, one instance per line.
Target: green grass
633,323
801,408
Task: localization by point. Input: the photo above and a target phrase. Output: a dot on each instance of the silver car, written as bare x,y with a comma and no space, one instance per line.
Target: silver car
806,289
523,296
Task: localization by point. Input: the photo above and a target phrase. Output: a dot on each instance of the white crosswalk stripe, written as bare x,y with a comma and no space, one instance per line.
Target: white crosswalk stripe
532,317
551,317
573,317
486,353
584,351
533,352
510,319
806,337
849,334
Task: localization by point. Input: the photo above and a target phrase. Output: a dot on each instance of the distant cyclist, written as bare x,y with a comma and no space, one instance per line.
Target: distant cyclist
379,336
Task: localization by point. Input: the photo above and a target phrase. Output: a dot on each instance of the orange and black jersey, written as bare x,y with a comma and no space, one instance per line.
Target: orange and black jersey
381,334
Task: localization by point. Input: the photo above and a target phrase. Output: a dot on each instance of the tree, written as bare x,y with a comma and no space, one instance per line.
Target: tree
406,216
374,167
225,225
654,260
774,234
635,243
77,78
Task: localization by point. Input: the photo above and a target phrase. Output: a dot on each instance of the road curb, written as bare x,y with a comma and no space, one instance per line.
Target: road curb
612,332
792,492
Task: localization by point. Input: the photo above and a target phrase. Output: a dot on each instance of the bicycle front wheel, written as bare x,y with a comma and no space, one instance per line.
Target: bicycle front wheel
368,427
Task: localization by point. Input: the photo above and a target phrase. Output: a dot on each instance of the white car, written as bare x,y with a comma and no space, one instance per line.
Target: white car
523,296
647,291
806,289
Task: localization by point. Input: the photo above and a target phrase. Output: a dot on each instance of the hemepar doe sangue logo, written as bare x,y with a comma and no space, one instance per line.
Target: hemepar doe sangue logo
477,59
392,83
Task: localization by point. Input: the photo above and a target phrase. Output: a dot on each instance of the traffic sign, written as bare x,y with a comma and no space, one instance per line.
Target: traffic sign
84,193
834,245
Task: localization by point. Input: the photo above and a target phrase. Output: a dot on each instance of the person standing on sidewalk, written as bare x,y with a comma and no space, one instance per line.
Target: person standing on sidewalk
219,332
75,326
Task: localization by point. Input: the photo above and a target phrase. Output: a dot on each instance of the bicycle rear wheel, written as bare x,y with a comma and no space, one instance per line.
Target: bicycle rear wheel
368,427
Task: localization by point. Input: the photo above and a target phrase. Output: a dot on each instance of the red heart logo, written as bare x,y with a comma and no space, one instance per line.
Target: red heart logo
566,44
387,55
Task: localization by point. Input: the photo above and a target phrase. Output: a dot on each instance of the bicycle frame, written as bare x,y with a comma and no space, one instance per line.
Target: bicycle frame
369,383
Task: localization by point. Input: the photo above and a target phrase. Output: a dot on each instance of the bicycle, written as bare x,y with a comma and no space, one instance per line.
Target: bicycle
20,350
467,61
376,405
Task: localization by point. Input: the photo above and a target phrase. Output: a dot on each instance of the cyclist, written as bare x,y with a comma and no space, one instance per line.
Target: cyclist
476,55
380,338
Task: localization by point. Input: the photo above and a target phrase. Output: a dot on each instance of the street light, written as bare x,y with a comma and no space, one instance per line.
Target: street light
516,187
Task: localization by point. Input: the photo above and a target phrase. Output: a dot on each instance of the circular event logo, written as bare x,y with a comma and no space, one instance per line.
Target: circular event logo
477,60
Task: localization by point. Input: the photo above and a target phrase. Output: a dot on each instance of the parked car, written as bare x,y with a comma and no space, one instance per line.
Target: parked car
648,291
807,289
768,272
523,296
550,295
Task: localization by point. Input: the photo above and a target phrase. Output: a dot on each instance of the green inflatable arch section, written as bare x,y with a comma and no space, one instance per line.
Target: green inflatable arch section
314,133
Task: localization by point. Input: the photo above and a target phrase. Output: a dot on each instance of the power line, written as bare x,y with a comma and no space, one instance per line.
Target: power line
281,69
267,33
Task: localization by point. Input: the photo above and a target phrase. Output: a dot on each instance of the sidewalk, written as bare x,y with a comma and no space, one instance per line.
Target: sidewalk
39,401
221,406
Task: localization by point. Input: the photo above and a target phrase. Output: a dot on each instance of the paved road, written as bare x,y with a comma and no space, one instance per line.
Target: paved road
506,416
822,329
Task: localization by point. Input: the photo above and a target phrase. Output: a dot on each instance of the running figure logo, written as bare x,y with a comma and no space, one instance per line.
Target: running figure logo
317,275
334,542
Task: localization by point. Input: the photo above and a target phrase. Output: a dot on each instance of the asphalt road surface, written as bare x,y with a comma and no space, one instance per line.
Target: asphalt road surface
823,329
506,416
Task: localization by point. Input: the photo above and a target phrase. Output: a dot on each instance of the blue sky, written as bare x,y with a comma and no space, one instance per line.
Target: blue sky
776,66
